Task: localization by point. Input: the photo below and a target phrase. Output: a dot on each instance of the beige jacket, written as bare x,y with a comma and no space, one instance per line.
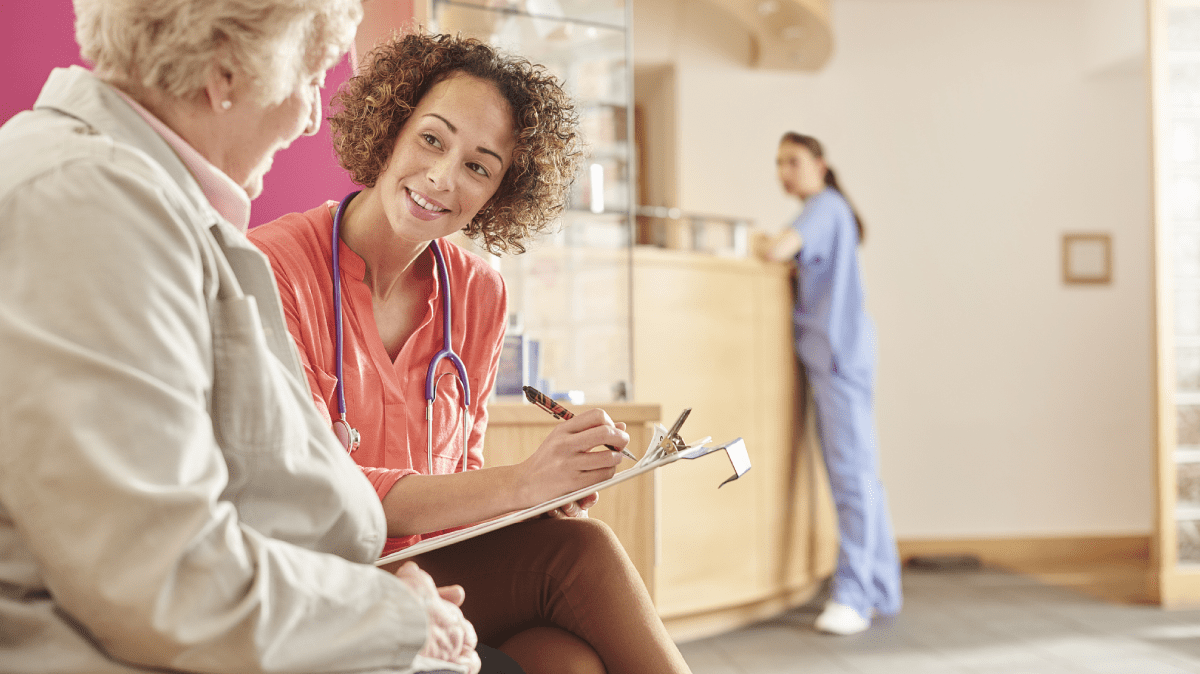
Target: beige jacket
169,497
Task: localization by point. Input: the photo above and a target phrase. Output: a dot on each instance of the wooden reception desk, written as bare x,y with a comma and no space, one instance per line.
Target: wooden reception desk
714,335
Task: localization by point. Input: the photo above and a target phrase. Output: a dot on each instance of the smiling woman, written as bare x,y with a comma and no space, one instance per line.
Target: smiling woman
447,134
545,159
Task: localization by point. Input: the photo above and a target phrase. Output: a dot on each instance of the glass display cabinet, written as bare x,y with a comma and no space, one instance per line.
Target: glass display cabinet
570,293
1175,53
1180,224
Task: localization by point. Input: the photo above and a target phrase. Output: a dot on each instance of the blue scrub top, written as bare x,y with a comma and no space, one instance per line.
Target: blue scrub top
834,333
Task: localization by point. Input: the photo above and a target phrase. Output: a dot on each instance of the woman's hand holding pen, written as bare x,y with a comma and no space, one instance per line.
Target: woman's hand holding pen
566,462
570,459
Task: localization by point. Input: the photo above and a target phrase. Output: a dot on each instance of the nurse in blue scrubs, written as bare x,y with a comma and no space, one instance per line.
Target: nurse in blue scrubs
835,340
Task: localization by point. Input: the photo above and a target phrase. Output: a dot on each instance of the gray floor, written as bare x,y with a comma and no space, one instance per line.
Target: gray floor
968,622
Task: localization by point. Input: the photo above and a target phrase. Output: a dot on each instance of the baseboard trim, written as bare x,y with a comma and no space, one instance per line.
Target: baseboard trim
1115,568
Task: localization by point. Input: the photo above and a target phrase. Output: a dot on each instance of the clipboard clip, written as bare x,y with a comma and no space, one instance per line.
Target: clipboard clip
671,443
735,450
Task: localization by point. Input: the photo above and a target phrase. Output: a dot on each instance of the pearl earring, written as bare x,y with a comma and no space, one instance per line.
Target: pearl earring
225,105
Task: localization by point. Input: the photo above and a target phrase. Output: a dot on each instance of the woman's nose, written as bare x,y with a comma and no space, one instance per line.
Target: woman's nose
441,171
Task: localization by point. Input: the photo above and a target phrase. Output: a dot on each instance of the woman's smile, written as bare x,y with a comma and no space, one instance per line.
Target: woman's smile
423,207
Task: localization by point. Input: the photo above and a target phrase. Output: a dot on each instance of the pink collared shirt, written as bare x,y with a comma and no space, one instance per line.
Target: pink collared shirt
225,195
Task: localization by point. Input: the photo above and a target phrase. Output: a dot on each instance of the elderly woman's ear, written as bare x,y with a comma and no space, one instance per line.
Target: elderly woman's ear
219,85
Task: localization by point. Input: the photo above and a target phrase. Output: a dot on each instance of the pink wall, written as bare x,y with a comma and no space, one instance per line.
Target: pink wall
306,173
38,35
35,37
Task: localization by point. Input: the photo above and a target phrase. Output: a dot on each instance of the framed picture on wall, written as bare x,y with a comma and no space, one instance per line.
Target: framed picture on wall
1087,258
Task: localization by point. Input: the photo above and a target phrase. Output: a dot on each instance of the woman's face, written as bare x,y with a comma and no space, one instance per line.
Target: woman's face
259,131
800,172
448,159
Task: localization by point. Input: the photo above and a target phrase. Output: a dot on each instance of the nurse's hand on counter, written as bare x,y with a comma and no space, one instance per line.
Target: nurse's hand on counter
451,637
568,459
760,244
781,246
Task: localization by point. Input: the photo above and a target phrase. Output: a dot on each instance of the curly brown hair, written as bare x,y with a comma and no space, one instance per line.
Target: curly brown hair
375,104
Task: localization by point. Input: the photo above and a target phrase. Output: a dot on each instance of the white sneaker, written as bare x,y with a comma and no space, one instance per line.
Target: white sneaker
841,620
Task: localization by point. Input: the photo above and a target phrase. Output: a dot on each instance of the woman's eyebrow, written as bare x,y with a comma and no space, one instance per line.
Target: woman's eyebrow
454,129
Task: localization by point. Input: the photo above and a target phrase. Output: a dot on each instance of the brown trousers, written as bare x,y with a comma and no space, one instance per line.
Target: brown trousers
569,573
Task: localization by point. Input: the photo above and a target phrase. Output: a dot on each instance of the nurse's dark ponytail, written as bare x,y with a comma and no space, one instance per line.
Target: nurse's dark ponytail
814,146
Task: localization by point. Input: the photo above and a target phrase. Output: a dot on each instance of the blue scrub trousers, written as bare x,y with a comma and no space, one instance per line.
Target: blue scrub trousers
868,567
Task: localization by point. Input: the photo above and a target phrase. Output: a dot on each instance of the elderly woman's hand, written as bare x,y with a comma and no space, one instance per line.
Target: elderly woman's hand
451,637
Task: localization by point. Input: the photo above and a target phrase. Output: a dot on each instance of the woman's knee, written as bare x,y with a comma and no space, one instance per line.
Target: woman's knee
590,533
588,537
589,548
550,650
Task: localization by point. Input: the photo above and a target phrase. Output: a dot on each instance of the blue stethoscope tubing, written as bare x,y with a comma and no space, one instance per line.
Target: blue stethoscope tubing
447,352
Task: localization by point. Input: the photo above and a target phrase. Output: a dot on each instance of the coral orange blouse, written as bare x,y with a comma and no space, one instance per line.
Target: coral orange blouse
385,400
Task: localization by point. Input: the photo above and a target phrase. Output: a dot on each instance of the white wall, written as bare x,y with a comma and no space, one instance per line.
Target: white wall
970,134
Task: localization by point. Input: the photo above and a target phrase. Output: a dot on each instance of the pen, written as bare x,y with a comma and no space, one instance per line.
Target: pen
543,401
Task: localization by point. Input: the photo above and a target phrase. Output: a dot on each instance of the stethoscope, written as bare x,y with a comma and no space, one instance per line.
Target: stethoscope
346,434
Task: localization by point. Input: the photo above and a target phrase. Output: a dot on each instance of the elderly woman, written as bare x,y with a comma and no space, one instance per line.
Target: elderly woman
169,499
447,134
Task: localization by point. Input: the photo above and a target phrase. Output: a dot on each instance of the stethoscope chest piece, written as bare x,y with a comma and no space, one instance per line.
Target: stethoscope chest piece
346,435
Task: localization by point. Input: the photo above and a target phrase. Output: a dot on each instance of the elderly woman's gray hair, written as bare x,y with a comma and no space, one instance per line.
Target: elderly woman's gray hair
169,44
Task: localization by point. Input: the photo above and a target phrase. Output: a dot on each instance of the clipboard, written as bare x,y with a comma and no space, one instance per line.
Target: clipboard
665,447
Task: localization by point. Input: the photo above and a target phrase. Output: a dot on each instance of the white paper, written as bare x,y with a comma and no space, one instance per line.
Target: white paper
649,461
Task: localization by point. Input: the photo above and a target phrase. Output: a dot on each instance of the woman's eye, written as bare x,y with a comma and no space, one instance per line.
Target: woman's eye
431,139
480,169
